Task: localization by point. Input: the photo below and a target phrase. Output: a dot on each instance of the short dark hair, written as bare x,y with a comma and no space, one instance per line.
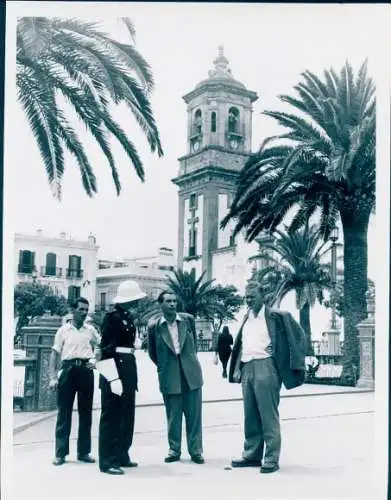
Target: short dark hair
79,300
225,329
161,295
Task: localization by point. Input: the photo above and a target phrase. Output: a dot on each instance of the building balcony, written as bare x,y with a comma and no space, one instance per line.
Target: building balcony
25,269
48,272
75,273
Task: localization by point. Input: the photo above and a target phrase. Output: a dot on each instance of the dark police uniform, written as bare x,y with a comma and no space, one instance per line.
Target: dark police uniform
116,425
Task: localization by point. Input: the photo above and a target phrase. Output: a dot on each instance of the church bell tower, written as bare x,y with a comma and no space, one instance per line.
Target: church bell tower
219,111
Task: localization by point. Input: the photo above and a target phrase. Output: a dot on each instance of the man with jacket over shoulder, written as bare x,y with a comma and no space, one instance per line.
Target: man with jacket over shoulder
118,391
268,350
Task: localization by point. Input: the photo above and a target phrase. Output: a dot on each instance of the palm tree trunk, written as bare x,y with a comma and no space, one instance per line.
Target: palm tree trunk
305,323
355,287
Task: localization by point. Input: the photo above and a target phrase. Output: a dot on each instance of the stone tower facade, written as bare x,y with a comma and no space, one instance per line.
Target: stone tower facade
219,113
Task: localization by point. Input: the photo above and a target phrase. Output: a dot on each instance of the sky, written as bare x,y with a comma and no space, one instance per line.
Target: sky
268,47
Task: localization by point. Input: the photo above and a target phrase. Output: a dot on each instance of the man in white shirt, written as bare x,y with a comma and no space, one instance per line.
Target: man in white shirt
172,346
71,373
269,349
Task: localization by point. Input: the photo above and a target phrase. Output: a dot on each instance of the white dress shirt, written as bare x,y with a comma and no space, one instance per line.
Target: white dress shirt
255,338
71,343
173,329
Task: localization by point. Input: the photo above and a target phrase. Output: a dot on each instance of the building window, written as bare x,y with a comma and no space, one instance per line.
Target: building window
73,293
193,273
51,261
103,301
192,242
26,261
74,267
231,241
197,127
233,120
213,122
193,202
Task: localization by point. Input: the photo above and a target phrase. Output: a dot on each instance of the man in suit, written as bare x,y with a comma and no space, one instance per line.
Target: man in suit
172,346
269,349
118,395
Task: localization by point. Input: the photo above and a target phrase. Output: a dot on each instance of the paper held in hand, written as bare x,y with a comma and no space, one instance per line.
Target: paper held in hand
107,368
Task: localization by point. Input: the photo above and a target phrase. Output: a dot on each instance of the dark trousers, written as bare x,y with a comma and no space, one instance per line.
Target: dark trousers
74,380
261,386
116,427
189,404
224,358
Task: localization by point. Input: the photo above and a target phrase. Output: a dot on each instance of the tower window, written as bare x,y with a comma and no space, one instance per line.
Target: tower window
213,122
198,122
193,201
192,242
233,120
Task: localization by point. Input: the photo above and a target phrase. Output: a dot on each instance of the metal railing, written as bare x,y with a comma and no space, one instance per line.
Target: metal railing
48,271
75,273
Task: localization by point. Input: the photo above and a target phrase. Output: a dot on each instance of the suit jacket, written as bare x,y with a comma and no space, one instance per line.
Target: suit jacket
162,352
118,330
288,348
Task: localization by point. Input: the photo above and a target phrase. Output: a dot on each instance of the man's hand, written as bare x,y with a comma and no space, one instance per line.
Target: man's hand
116,387
53,382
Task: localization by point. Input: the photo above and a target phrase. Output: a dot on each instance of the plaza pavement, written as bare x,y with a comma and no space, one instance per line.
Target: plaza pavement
215,389
327,452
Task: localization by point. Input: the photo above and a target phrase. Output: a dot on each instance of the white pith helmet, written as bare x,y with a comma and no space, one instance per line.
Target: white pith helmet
128,291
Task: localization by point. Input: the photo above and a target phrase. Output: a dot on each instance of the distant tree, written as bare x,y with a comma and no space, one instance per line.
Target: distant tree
229,302
199,297
339,302
32,300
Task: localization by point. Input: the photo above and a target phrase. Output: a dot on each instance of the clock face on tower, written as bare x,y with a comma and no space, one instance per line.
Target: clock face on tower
233,143
196,145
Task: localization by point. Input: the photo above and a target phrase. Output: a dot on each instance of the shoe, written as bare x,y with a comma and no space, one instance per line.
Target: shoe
129,463
114,471
244,462
265,469
172,458
58,461
198,459
86,458
224,375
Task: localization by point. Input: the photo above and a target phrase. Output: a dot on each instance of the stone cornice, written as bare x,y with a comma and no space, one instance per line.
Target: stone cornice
215,148
219,86
199,175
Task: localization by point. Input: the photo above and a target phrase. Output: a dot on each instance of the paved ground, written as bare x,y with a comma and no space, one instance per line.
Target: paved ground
327,453
215,388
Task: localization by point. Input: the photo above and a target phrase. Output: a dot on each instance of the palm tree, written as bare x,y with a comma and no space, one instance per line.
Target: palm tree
326,166
74,59
196,296
295,264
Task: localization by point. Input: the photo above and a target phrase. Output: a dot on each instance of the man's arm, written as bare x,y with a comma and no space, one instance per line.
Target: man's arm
53,367
193,329
107,347
151,345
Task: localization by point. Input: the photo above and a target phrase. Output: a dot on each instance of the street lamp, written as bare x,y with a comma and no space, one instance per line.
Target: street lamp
34,274
334,238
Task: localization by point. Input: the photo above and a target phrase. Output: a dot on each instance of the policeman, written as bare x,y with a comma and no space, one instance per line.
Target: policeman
74,345
118,393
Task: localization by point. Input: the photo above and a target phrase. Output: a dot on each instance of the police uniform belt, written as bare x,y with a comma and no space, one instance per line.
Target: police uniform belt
125,350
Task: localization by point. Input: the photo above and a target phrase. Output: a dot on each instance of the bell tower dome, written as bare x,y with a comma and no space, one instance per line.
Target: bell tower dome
219,111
